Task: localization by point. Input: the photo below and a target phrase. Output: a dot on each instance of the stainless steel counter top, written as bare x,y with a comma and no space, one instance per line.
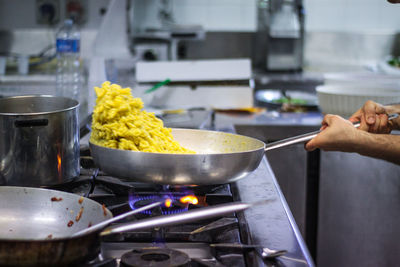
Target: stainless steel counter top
304,81
271,225
268,118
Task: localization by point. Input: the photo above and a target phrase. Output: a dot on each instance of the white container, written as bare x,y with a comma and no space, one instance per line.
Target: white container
344,100
385,68
361,78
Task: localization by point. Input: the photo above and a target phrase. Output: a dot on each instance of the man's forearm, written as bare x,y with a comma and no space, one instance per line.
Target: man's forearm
382,146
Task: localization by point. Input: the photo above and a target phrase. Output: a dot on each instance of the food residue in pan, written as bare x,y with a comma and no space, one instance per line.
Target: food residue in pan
70,223
78,217
104,210
56,199
50,236
80,200
90,224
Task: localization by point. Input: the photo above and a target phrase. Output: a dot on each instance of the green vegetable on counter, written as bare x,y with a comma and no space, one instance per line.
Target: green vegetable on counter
395,62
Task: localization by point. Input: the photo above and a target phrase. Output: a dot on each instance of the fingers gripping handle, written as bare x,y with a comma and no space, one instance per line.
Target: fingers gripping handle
306,137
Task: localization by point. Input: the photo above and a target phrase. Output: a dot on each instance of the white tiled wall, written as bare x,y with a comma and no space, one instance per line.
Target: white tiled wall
352,15
213,15
240,15
21,14
229,15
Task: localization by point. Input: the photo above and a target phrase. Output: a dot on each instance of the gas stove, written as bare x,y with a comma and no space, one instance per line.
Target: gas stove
220,241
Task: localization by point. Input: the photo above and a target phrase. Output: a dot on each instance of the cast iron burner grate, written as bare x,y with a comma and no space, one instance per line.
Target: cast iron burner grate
169,246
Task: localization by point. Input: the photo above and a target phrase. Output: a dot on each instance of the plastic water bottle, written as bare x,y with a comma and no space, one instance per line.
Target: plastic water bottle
69,74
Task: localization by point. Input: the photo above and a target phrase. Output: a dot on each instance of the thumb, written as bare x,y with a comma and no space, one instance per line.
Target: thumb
371,109
370,116
356,117
310,145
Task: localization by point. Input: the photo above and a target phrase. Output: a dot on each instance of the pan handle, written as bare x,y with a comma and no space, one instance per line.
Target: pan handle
175,219
103,224
306,137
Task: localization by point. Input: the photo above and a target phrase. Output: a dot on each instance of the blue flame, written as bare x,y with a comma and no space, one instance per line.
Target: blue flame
164,210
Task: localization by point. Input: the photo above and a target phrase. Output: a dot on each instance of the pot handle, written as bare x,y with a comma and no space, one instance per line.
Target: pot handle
31,123
85,125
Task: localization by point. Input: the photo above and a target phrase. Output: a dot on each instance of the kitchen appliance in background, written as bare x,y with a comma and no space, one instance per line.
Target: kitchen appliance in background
278,42
148,51
222,83
166,37
150,42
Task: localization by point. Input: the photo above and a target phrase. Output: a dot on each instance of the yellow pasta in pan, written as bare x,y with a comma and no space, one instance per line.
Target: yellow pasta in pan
119,121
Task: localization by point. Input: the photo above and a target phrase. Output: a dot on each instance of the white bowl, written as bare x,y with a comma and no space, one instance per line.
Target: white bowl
361,78
388,69
344,100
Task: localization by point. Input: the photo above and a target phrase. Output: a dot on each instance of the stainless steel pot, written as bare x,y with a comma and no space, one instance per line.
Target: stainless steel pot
39,140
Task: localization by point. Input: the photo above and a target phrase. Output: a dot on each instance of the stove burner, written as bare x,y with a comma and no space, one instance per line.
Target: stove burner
136,202
155,257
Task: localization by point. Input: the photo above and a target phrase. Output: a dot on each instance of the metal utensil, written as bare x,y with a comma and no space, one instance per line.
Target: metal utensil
103,224
173,219
263,252
267,253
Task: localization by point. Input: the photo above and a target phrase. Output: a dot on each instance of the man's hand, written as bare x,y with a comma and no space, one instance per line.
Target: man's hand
337,134
373,118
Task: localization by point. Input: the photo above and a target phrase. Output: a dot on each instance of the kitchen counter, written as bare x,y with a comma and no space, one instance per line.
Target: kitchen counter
262,119
272,225
304,81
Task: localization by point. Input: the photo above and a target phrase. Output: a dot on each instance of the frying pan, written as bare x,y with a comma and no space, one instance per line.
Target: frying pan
39,227
220,158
